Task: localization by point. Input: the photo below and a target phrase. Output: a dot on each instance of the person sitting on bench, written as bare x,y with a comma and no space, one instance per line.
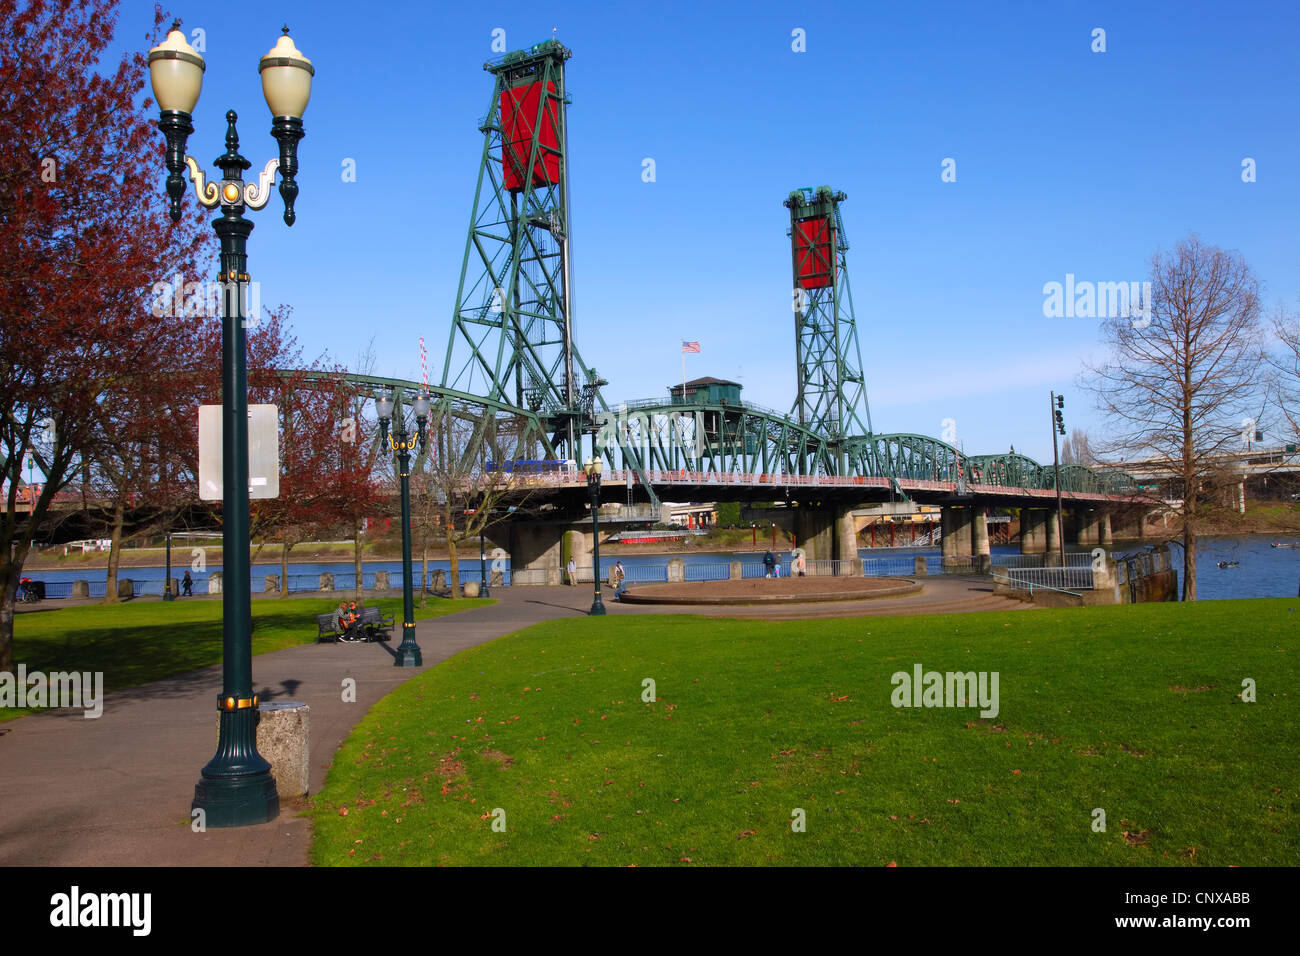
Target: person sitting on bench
349,621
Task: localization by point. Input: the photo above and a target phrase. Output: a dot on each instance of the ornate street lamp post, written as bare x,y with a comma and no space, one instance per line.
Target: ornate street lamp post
236,787
401,441
593,468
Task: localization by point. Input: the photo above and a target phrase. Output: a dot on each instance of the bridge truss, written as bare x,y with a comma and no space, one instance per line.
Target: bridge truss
512,365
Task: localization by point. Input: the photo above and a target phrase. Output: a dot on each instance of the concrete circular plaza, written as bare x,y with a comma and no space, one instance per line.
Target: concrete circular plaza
771,591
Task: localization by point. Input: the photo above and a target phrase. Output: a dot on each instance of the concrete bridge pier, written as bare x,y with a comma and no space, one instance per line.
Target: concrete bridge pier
979,541
827,534
1054,530
536,547
1104,537
1089,527
1033,530
956,526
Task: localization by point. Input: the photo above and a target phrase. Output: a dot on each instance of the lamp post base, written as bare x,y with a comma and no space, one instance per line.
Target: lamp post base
597,607
408,652
237,801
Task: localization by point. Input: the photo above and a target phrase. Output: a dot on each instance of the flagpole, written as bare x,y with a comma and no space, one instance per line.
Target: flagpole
683,374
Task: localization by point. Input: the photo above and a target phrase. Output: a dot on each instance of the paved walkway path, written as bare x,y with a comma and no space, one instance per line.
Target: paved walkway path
116,791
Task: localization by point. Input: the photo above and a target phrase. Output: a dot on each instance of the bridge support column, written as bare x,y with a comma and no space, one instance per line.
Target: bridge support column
1033,530
1089,527
1105,539
956,535
1053,556
846,544
979,541
814,530
535,552
574,545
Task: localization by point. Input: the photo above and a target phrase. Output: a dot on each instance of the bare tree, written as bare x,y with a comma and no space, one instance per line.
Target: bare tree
467,485
1077,449
1179,380
1285,364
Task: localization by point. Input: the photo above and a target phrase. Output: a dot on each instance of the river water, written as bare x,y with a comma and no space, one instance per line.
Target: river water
1262,570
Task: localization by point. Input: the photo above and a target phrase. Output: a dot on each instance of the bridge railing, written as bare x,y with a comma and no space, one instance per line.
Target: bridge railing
888,567
708,572
1073,559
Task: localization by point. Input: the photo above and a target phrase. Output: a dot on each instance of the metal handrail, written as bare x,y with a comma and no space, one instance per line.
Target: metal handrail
1030,585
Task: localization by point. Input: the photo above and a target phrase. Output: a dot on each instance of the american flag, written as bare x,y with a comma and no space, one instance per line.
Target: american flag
690,346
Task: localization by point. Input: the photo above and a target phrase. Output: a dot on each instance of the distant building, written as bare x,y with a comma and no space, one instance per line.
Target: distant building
707,391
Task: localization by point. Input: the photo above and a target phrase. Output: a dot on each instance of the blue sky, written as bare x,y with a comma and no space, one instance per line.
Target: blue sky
1067,161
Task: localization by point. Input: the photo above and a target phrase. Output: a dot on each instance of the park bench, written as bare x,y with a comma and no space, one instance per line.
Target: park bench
327,628
376,625
373,625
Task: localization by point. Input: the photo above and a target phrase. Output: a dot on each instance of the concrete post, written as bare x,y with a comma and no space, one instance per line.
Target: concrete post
735,573
918,565
271,584
125,588
846,538
439,579
81,589
1053,557
214,582
676,570
979,541
947,532
1089,527
327,582
381,581
1033,530
956,537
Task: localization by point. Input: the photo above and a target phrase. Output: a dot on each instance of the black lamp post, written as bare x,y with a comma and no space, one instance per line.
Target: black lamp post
236,787
401,441
1058,427
593,468
167,579
482,566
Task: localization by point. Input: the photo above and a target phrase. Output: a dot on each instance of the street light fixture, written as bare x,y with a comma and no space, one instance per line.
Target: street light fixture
1058,427
593,468
482,563
236,787
401,441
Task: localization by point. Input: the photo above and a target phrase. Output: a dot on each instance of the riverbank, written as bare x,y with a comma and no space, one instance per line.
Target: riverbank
182,556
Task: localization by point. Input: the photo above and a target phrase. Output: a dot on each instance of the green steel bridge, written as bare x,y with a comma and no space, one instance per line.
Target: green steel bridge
513,368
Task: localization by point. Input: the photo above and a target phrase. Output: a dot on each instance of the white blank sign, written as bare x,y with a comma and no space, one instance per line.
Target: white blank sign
263,452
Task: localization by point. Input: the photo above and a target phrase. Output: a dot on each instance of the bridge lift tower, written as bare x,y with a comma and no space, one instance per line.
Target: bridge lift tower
832,396
512,328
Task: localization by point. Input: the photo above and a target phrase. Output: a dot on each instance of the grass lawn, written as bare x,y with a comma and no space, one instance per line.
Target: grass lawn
1134,710
142,641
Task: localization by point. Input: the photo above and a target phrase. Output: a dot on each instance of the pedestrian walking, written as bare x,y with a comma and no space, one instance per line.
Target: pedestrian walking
616,577
187,585
769,565
800,564
573,572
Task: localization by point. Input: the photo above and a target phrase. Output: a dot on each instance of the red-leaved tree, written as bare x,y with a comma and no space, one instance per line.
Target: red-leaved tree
84,234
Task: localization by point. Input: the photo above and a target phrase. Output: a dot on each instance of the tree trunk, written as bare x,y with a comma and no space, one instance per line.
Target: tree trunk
356,558
1189,561
10,575
454,575
424,574
114,553
285,547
